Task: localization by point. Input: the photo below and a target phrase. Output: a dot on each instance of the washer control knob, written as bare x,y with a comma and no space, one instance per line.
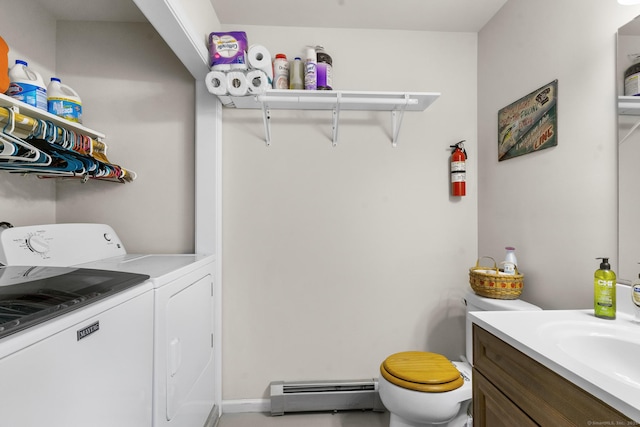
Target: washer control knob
37,244
108,237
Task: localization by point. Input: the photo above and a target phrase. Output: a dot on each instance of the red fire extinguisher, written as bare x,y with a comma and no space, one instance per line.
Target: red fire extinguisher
458,169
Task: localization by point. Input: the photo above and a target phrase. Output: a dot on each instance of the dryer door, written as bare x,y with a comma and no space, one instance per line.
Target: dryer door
189,340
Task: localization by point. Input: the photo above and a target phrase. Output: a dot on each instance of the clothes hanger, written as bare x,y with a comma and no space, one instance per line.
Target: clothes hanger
52,151
23,151
7,148
47,158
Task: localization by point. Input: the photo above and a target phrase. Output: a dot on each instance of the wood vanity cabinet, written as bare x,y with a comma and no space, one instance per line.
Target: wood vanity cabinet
511,389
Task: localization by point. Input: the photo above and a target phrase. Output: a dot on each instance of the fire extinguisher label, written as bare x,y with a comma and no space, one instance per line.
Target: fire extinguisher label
457,167
458,177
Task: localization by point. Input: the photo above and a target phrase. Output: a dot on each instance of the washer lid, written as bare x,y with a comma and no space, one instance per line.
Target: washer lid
421,371
32,295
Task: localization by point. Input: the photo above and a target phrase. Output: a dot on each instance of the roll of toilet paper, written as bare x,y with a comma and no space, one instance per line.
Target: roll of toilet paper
260,59
216,82
237,83
258,82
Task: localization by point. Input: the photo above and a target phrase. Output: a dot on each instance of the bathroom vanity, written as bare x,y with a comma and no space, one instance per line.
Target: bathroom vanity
556,367
512,389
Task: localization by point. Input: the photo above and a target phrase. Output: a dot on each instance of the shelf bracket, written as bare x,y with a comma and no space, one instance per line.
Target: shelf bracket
396,120
266,117
336,118
633,129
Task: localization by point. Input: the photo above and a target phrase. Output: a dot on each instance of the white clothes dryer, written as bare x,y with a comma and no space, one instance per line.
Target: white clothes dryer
186,312
184,359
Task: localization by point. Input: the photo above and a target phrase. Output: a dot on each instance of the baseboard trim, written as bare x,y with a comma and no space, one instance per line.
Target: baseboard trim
245,405
213,418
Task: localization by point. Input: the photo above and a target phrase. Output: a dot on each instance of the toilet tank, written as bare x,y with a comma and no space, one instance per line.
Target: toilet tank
477,303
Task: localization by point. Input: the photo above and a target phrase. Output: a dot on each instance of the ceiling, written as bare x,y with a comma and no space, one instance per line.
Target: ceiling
420,15
93,10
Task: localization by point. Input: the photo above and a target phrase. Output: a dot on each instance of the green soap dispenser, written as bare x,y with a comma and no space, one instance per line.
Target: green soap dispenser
604,291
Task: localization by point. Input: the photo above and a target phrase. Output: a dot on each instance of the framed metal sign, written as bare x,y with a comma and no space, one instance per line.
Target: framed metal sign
529,124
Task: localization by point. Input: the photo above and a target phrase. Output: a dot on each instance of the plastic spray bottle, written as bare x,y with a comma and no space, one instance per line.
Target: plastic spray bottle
604,291
310,69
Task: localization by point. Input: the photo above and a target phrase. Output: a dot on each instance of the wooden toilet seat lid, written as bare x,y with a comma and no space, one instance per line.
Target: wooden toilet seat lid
421,371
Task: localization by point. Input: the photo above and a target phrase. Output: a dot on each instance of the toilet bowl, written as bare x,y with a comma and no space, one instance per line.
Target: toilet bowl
423,389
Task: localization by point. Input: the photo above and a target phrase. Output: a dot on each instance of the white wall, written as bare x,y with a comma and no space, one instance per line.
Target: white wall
558,207
135,91
28,200
335,258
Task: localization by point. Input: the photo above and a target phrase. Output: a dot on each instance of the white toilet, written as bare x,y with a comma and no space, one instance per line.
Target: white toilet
422,389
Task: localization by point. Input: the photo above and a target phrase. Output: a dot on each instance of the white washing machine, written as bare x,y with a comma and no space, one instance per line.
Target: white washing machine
75,346
186,338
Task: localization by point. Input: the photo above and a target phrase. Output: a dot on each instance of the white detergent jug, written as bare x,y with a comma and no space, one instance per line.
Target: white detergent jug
26,85
64,101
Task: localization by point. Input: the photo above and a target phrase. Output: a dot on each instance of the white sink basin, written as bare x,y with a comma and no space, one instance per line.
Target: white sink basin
608,348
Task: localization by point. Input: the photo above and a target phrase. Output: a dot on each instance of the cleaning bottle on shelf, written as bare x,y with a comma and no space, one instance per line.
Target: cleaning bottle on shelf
604,290
63,101
310,69
296,74
4,66
324,69
26,85
281,72
510,262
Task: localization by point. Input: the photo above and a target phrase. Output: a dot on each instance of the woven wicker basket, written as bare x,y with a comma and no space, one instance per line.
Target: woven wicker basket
492,283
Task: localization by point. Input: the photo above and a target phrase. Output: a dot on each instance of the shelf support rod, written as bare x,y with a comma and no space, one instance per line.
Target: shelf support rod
396,120
633,129
336,118
266,117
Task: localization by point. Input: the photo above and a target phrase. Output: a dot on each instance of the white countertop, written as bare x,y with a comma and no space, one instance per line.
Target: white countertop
545,336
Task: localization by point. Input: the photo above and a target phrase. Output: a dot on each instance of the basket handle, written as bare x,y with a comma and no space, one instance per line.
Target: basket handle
495,266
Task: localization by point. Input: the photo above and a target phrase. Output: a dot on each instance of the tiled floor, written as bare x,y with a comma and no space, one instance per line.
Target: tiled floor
340,419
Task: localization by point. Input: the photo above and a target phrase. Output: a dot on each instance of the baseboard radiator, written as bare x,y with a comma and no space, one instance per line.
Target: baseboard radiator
319,396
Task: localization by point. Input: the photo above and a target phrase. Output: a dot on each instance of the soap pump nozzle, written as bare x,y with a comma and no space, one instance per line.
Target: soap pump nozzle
604,265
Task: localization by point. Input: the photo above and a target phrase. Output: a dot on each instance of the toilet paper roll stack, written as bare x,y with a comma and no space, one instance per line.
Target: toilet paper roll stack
237,83
256,80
